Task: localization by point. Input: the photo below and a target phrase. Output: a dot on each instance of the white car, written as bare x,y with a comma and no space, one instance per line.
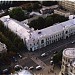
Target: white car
20,56
31,68
43,54
38,67
51,58
51,62
26,67
73,42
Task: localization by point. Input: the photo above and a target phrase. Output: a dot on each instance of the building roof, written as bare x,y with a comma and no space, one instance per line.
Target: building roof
23,72
73,63
53,29
16,27
49,7
69,52
24,32
35,13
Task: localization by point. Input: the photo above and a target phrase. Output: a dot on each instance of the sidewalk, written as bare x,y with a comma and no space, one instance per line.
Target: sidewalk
60,73
46,70
39,62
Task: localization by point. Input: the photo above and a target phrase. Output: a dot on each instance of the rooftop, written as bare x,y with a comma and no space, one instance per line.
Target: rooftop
53,29
16,27
24,32
69,52
51,7
23,72
73,64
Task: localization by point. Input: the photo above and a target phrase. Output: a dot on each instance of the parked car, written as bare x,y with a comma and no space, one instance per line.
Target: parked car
20,56
31,68
38,67
44,54
51,62
55,52
51,58
5,71
26,67
15,59
18,67
73,42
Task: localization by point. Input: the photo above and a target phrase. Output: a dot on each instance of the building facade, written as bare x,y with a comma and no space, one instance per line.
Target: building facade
69,5
68,62
62,13
49,10
36,39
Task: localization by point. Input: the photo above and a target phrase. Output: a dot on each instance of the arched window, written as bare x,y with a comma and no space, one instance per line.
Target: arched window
66,32
42,41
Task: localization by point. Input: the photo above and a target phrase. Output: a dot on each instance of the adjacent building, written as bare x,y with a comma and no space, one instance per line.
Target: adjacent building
3,48
36,39
68,62
49,10
68,5
62,12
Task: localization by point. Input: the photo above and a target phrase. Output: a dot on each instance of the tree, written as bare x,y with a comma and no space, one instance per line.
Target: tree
49,3
48,21
17,13
29,9
57,58
1,26
41,22
36,6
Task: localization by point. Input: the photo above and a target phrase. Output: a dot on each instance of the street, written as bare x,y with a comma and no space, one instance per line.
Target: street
34,58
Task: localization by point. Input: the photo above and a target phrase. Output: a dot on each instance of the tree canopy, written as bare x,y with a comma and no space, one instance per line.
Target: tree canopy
41,23
13,42
17,13
49,3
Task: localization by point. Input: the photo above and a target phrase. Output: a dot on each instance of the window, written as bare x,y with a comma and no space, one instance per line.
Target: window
63,63
58,34
38,42
34,43
42,41
71,70
50,37
66,32
30,44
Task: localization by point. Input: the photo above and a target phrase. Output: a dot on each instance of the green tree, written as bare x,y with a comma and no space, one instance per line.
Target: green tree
41,22
1,26
57,58
36,6
48,21
17,13
29,9
49,3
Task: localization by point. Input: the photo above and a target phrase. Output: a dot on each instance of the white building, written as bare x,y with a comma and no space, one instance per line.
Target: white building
3,48
68,5
36,39
68,62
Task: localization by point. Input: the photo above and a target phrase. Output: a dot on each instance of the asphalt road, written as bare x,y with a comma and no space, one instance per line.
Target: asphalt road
50,49
57,46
